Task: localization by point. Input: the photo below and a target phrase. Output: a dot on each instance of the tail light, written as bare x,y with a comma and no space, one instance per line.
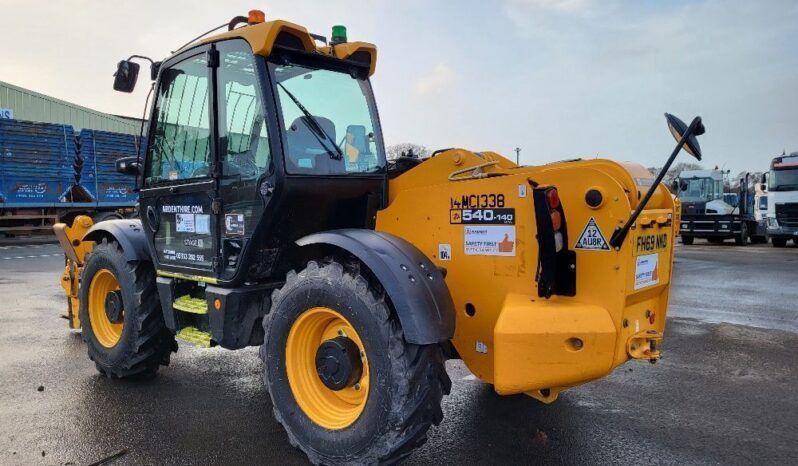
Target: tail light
556,273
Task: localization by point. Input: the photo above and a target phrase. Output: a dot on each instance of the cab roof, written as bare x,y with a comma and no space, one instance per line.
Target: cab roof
263,37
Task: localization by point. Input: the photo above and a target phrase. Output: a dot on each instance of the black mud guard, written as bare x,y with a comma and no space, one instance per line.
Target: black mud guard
128,233
413,283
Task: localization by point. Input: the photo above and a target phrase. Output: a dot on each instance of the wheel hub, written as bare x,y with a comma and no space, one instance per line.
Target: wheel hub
113,306
338,363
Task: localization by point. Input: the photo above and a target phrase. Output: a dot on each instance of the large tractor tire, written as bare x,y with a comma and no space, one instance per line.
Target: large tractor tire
121,315
344,383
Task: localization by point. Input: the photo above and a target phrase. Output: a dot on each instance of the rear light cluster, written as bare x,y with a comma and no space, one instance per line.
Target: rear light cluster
556,272
553,201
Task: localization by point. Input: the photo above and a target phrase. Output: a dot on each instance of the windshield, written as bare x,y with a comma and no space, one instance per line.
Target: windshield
783,180
701,189
329,121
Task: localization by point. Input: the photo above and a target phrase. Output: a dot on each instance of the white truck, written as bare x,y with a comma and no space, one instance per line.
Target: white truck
708,212
782,211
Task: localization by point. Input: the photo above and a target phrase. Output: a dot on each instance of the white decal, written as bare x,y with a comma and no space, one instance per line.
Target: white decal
481,347
591,238
184,223
489,240
445,252
521,190
202,224
646,273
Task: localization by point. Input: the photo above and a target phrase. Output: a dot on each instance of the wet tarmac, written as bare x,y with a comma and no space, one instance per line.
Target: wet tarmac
723,394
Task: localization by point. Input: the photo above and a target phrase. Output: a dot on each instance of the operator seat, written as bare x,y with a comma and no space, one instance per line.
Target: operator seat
305,153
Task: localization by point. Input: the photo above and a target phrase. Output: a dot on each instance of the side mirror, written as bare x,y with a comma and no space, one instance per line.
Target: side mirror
128,165
764,179
126,75
683,185
677,128
675,186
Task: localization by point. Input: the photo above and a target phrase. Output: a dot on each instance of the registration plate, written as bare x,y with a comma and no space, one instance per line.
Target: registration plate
649,243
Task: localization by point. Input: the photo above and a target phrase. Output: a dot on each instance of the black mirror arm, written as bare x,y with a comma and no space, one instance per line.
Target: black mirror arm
619,235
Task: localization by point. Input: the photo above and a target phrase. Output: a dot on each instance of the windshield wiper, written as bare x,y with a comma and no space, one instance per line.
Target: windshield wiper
315,127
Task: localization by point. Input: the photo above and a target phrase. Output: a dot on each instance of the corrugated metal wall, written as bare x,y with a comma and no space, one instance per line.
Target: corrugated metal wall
33,106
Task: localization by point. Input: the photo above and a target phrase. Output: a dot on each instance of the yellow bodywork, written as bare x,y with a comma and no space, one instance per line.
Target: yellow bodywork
263,37
70,238
515,340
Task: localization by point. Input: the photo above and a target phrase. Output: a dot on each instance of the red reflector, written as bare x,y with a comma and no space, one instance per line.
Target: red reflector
553,198
651,318
556,220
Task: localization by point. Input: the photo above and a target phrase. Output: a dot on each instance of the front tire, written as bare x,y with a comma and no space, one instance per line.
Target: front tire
120,315
384,411
778,242
742,238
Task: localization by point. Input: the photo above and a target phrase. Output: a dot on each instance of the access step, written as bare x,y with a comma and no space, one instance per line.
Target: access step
191,305
194,336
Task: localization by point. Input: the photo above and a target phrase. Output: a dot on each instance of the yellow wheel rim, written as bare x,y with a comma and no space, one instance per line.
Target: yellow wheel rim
106,332
331,409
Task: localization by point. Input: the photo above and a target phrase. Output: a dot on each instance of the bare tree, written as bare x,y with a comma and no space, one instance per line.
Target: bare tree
673,173
407,149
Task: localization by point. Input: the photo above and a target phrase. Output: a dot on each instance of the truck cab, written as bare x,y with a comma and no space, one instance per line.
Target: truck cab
782,203
709,212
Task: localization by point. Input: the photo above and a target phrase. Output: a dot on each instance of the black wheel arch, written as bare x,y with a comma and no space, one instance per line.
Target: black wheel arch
128,233
414,285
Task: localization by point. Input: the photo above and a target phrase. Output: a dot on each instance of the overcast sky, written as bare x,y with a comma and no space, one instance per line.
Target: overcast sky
559,78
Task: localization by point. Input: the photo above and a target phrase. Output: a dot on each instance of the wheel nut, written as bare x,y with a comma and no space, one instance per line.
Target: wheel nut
356,387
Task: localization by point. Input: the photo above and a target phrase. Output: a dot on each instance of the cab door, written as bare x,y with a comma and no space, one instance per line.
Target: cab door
179,206
245,152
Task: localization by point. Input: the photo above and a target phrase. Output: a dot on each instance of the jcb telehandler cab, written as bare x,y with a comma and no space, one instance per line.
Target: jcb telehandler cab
269,216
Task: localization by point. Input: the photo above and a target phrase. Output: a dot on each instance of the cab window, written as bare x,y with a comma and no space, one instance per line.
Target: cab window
245,150
329,120
180,142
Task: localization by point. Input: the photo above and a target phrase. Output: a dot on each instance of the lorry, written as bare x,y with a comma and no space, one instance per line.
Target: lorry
269,217
50,172
782,204
709,212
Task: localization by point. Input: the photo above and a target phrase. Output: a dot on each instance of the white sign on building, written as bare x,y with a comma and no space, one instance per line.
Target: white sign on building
6,113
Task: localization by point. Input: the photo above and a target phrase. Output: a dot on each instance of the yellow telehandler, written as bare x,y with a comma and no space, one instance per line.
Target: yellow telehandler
269,216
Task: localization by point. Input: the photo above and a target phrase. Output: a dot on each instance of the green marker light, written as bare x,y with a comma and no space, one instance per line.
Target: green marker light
338,34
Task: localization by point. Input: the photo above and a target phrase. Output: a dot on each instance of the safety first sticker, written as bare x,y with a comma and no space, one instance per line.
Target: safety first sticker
591,238
493,240
646,273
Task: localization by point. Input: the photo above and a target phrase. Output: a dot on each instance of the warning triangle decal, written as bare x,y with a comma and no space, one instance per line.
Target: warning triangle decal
591,238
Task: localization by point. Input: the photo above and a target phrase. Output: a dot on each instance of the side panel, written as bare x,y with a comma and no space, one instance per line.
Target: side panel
414,284
484,232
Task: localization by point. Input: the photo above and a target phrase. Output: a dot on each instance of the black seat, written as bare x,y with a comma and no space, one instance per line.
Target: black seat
305,153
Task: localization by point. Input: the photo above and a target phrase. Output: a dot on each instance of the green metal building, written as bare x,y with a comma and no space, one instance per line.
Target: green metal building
23,104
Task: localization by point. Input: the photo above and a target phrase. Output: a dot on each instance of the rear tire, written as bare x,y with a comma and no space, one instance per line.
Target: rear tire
136,344
741,239
778,242
687,240
406,382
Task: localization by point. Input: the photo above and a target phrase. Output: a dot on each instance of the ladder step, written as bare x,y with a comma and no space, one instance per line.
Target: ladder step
192,305
195,336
